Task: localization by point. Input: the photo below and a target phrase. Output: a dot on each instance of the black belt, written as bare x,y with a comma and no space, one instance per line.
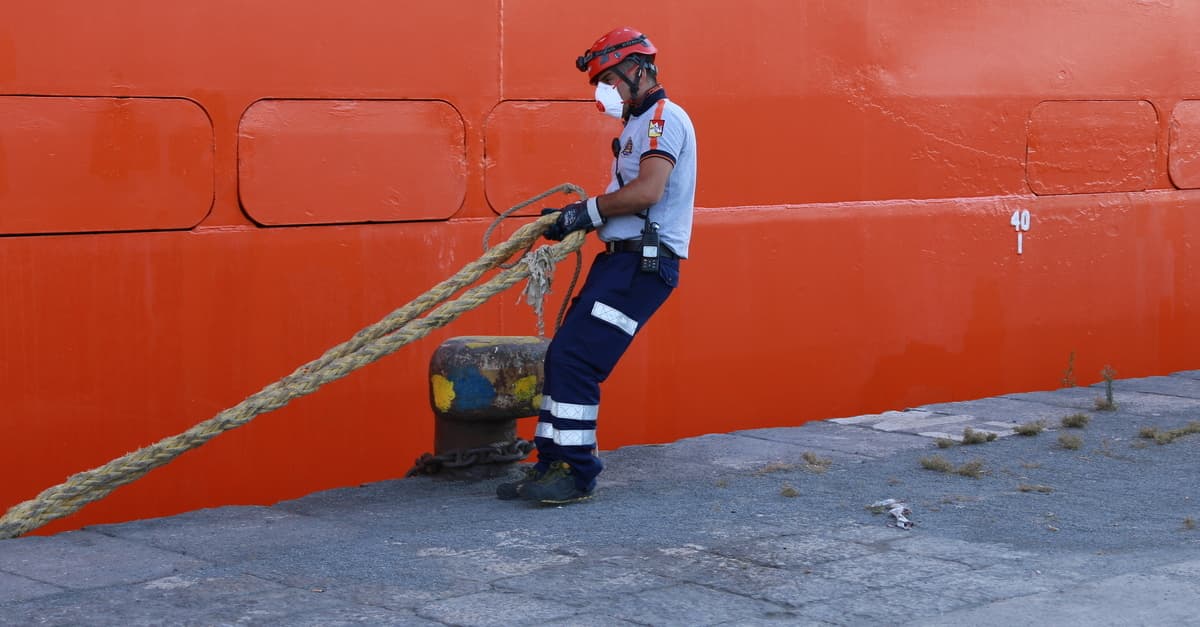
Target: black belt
635,246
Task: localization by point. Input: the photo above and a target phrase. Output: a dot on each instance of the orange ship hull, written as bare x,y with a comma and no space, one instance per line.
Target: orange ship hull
899,203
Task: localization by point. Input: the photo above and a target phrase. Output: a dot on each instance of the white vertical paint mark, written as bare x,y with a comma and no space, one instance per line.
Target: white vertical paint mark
1020,241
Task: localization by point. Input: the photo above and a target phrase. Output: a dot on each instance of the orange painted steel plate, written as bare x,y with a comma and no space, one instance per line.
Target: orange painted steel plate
339,161
809,101
533,146
1088,147
103,164
1185,145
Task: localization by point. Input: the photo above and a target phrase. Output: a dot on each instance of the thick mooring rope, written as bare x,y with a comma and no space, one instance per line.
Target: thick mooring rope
368,345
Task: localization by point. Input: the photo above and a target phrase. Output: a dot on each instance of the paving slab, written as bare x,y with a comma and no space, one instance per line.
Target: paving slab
797,551
496,609
1136,599
1085,399
736,451
87,559
688,604
16,588
1170,385
201,534
1003,413
830,438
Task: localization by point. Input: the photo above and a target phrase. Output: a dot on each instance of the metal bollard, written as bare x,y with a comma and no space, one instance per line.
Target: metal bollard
478,387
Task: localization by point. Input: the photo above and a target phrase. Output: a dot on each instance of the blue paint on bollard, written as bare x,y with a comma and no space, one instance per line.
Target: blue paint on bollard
472,390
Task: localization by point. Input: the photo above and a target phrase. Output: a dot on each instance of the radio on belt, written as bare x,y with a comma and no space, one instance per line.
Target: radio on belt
650,248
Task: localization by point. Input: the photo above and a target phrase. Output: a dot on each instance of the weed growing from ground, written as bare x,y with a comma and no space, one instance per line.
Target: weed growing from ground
945,442
1071,442
973,469
971,436
1107,403
774,467
936,462
940,464
789,491
1189,524
1167,437
1076,421
1030,428
815,463
1044,489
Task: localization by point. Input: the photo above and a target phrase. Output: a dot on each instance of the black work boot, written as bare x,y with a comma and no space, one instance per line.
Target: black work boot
512,489
556,487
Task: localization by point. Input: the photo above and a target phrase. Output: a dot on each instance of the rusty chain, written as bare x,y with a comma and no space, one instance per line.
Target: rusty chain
429,464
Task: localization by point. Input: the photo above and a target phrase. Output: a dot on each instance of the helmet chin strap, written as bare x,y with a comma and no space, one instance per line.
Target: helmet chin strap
633,85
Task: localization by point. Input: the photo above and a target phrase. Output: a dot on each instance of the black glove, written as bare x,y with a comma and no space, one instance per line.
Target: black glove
574,217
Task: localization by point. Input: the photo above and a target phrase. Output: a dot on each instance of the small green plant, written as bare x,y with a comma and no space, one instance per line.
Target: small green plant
815,463
1189,524
973,469
1044,489
1068,380
936,462
1076,421
1030,428
945,442
1068,441
774,467
1167,437
940,464
971,436
1107,403
722,483
789,491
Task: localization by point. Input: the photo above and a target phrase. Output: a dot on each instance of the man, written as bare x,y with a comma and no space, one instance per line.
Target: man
645,220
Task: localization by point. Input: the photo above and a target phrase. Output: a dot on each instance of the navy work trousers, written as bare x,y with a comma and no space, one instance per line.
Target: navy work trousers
611,309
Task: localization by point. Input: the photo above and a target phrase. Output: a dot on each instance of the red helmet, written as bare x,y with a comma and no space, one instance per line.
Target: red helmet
611,49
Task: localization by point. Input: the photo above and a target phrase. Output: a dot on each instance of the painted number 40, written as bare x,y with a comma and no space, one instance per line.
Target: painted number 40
1020,224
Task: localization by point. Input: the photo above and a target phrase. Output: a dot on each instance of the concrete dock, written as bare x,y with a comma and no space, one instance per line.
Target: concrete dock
756,527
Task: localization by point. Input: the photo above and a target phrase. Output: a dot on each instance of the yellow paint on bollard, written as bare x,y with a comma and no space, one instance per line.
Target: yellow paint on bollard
525,390
443,392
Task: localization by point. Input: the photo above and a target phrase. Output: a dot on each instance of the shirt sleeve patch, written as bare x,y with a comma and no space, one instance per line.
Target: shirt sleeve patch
656,128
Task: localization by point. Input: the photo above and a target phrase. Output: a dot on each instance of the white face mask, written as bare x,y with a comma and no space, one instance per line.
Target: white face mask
608,100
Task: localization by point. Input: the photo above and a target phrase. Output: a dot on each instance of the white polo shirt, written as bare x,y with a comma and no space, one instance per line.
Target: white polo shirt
658,129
